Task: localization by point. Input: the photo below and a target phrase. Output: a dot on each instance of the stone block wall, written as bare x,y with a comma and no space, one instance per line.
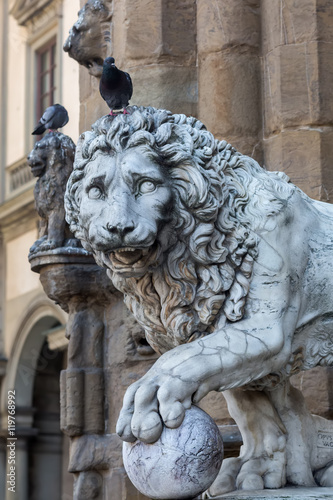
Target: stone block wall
297,94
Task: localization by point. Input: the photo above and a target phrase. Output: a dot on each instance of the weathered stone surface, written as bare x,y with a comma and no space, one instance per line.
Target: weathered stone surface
123,362
89,88
287,22
148,32
89,40
229,96
179,31
118,485
226,24
296,93
302,153
95,106
229,71
93,451
88,485
316,385
282,494
155,86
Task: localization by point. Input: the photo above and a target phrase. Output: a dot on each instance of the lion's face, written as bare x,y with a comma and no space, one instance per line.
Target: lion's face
37,158
126,205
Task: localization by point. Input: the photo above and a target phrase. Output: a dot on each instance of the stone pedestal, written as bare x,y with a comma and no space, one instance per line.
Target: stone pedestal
104,345
282,494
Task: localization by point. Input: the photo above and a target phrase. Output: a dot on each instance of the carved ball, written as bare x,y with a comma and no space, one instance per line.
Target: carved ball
182,464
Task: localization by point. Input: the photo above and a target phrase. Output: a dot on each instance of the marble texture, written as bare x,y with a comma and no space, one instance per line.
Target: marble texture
288,493
182,463
229,270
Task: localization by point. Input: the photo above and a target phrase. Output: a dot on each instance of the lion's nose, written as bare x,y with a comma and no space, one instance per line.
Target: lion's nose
120,229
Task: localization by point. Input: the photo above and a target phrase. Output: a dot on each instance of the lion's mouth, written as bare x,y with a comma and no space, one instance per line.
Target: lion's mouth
37,169
128,256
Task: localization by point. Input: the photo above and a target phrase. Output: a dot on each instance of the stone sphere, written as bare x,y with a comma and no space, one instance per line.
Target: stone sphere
182,464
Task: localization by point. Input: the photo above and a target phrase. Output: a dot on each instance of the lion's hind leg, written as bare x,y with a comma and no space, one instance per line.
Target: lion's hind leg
262,460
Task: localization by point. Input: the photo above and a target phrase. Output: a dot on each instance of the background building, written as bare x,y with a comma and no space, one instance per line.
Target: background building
34,73
257,73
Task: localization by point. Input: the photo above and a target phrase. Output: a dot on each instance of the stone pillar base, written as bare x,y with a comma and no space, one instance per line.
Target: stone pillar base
289,493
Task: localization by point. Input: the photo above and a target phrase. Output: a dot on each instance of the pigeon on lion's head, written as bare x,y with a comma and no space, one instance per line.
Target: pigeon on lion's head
228,268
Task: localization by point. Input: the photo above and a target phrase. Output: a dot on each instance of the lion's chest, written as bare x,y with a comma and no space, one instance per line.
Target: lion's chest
46,198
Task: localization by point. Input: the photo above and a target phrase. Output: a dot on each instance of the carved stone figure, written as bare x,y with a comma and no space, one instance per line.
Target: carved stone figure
229,270
89,38
51,160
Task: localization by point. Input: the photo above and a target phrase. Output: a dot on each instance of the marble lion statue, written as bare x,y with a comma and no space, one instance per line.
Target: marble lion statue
229,270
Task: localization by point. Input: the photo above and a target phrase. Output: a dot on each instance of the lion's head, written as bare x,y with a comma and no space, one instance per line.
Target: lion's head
89,38
53,150
51,160
168,210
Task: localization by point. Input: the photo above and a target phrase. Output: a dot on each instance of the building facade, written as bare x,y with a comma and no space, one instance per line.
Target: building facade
34,74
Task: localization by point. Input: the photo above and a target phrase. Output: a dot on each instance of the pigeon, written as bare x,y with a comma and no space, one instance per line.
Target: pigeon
54,117
115,86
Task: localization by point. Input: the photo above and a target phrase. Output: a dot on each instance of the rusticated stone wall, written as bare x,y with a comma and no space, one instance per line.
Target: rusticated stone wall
297,92
228,38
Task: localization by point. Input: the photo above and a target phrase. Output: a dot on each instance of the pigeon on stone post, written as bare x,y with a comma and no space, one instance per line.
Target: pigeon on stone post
115,86
54,117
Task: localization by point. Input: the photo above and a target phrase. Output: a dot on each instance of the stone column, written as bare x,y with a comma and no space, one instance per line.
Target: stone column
156,43
228,38
297,95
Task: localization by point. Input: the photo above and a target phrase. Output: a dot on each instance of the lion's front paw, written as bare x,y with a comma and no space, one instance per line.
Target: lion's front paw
50,244
154,400
35,247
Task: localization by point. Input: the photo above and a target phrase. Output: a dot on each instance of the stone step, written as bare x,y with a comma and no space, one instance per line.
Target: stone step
288,493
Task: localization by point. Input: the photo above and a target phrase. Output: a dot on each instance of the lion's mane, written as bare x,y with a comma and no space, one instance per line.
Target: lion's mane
221,198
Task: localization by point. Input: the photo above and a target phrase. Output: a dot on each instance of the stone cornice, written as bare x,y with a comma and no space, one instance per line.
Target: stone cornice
25,10
17,207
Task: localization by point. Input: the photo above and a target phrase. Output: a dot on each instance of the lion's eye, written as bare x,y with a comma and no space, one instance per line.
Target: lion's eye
95,193
147,187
